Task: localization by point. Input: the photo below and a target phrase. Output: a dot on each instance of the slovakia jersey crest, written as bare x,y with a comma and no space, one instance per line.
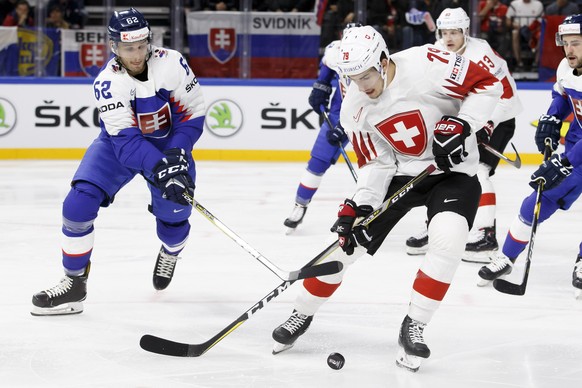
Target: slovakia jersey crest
150,122
92,58
406,132
222,43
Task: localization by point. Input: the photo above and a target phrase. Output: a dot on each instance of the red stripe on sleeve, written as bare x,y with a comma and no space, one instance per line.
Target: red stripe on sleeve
487,199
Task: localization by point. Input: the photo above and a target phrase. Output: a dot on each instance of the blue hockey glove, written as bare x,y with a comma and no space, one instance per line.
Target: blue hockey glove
548,127
172,178
319,95
349,236
448,146
336,136
551,172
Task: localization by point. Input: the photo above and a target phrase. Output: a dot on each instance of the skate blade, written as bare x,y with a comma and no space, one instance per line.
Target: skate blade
66,309
290,231
408,361
577,294
483,257
483,282
278,348
416,251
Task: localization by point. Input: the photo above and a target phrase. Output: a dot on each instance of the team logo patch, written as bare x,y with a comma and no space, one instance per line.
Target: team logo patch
222,43
406,132
92,58
155,121
459,69
577,108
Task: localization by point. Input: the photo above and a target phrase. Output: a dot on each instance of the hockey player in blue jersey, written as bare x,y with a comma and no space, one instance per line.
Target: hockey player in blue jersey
151,114
562,173
326,149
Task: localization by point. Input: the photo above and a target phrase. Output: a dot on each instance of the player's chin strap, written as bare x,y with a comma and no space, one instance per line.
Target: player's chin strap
384,73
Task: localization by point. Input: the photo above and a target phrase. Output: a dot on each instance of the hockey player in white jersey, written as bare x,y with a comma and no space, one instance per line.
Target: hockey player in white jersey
403,113
453,35
151,113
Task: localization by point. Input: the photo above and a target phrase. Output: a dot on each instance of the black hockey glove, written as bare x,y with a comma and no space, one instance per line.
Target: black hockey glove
349,236
551,172
448,146
336,136
548,127
172,178
484,134
319,95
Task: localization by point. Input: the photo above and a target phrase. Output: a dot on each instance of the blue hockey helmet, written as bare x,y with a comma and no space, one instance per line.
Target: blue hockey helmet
572,25
128,26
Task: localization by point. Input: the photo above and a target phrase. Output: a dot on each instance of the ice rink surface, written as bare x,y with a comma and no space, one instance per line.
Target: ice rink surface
478,338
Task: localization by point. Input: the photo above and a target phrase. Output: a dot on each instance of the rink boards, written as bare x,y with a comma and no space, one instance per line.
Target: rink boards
261,120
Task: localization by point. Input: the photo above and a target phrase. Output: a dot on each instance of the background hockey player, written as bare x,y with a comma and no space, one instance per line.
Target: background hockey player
562,174
151,114
453,35
402,113
326,149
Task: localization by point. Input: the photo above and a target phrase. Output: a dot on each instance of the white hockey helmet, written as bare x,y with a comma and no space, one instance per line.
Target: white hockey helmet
572,25
361,48
453,19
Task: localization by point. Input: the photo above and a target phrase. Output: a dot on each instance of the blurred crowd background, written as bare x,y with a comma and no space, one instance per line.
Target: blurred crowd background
516,29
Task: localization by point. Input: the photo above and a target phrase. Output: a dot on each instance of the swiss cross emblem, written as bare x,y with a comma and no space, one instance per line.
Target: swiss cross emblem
222,43
155,121
92,58
406,132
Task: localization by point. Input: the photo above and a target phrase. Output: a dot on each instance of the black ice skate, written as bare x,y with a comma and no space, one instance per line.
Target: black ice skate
412,346
286,334
418,244
577,278
501,265
482,246
296,217
164,269
65,298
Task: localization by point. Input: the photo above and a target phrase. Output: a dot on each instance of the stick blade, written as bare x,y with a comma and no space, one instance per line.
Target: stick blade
517,161
506,287
163,346
329,268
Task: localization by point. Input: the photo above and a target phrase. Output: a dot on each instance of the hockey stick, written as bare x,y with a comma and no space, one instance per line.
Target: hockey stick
515,163
341,147
503,285
305,272
166,347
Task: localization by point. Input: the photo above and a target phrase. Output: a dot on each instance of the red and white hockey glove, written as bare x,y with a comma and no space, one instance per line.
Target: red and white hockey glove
484,134
349,236
448,146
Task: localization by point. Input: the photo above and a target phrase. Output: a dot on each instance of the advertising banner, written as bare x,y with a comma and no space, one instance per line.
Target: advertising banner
264,119
86,51
49,51
280,45
9,51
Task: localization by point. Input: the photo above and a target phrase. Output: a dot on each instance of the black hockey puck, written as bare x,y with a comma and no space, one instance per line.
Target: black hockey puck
336,361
